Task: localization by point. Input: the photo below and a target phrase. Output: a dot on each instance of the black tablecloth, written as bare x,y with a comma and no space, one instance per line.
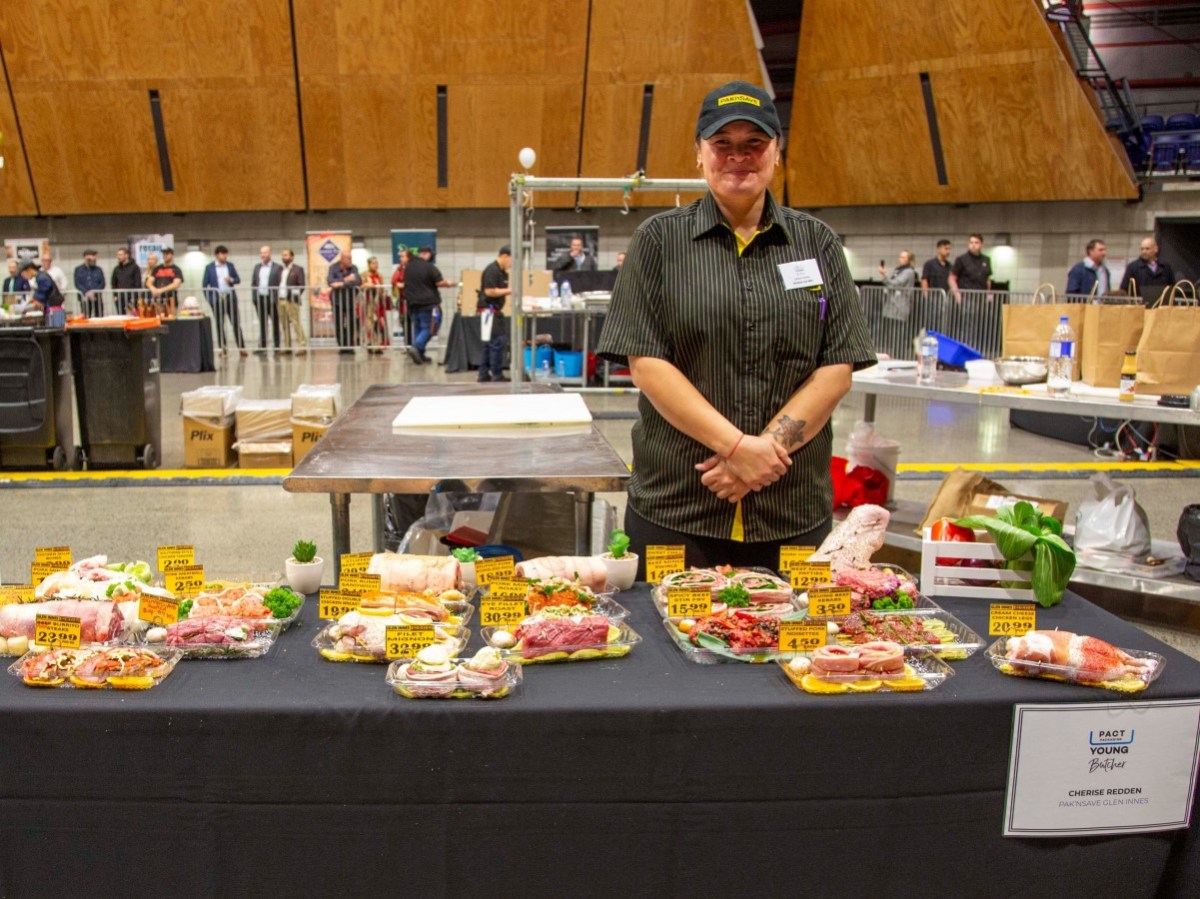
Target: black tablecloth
464,349
187,345
648,775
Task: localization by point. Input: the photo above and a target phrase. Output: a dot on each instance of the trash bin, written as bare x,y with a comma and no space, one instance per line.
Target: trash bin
36,426
866,447
118,392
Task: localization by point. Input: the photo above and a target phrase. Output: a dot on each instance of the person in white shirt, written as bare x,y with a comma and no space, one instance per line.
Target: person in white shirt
220,279
265,285
55,273
291,279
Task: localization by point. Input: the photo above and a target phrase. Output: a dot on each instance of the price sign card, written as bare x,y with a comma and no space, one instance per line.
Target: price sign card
1092,769
177,556
501,612
59,555
403,641
806,574
355,563
359,583
829,602
159,611
184,581
333,604
517,588
10,593
685,602
791,556
1011,620
39,571
802,636
499,568
57,630
664,560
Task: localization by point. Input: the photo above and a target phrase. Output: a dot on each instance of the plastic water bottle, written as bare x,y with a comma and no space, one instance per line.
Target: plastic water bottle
1062,359
927,364
565,292
553,294
543,372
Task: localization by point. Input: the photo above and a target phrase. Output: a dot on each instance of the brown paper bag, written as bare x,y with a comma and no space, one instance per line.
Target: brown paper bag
1109,329
964,493
1027,327
1168,354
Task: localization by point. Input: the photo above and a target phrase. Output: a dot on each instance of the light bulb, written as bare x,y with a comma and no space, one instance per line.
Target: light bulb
527,158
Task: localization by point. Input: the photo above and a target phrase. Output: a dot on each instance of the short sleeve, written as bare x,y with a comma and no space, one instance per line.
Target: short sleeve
846,338
958,268
437,274
633,326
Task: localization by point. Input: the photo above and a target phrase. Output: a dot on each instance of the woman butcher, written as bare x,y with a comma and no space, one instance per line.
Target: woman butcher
741,328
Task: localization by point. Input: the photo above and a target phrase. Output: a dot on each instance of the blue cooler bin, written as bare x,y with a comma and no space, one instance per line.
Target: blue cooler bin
568,364
544,354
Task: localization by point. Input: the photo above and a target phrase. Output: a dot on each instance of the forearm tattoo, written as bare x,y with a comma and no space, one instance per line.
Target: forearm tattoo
789,431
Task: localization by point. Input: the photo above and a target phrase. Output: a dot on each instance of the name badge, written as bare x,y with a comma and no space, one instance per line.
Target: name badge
804,273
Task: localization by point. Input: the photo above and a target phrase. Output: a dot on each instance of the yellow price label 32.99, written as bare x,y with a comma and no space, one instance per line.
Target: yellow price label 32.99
664,560
1011,620
687,602
802,636
333,604
829,602
403,641
57,630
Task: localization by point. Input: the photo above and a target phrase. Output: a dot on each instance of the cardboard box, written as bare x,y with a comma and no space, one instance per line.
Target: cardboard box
964,493
212,401
264,420
267,454
317,402
207,442
305,435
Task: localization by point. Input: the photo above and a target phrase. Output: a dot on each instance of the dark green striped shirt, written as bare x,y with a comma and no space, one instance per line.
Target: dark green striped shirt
746,343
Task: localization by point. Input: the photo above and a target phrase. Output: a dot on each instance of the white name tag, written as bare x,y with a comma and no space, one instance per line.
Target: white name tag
804,273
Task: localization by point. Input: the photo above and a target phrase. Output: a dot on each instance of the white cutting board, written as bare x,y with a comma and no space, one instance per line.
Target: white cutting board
502,410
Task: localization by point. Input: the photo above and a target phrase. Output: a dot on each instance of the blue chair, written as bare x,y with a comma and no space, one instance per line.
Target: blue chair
1191,154
1152,123
1164,153
1182,121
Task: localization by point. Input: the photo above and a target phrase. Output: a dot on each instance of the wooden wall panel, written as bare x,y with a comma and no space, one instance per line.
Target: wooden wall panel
16,190
81,72
1015,121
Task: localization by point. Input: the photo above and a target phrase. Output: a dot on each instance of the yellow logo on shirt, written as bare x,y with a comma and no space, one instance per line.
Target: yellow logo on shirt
739,98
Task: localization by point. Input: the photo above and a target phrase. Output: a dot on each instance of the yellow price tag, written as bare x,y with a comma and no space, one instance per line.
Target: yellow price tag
158,610
664,560
688,602
500,612
499,568
829,602
404,641
791,556
355,563
39,571
359,583
57,630
11,593
59,554
517,588
1011,620
806,574
177,556
333,604
802,636
184,581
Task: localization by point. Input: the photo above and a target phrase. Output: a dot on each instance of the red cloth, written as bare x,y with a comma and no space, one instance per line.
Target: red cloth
857,487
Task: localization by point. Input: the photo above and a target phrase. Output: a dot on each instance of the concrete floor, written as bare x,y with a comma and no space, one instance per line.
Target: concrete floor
249,530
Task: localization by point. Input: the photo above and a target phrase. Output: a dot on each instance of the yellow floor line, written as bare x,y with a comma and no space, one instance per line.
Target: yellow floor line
195,474
1182,465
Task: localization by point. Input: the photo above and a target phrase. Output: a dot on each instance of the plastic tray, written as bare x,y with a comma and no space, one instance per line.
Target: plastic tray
618,645
152,679
923,670
326,646
1065,674
961,643
921,602
660,603
703,656
461,611
422,690
263,587
259,644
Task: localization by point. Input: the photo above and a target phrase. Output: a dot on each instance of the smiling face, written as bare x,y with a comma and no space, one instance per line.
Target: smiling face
738,162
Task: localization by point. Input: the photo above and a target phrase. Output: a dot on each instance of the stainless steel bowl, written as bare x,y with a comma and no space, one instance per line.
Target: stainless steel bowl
1022,369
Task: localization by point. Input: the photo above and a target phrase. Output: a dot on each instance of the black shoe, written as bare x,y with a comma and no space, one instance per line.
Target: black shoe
414,354
425,360
499,378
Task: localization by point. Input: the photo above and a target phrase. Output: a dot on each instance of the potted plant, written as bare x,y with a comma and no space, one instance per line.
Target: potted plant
305,568
619,561
467,557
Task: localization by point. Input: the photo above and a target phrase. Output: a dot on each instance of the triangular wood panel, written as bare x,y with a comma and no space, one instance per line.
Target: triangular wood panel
16,190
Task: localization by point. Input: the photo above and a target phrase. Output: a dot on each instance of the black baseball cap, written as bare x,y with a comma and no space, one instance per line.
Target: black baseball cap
505,250
428,250
737,101
90,253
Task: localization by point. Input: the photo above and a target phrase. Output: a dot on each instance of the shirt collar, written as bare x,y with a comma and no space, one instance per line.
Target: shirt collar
708,216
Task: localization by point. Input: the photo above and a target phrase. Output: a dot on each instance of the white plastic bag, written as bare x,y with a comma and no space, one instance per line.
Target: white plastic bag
1111,521
865,446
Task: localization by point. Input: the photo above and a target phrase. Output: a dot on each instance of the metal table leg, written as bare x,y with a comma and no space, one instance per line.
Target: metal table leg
341,528
583,522
377,528
869,407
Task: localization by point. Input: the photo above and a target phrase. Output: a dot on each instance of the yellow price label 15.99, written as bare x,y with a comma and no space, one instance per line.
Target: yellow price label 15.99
333,604
176,556
1011,620
688,602
58,554
791,556
806,574
516,588
57,630
355,563
158,610
664,560
359,582
802,636
403,641
10,593
500,612
829,602
184,581
499,568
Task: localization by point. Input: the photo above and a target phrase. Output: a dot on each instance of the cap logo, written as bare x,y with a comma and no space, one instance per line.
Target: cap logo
739,98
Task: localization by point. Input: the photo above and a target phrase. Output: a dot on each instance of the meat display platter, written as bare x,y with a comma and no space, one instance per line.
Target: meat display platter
996,653
258,645
461,611
621,639
923,670
608,607
413,689
327,647
702,656
216,585
920,600
958,641
152,678
659,593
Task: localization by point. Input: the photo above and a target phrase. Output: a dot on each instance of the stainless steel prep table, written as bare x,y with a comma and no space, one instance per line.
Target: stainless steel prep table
361,454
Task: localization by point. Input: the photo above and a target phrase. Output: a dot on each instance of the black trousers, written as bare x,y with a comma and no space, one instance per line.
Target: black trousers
266,307
345,319
704,552
225,307
93,306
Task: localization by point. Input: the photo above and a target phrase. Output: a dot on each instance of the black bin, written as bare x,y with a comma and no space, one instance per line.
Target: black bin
36,427
119,396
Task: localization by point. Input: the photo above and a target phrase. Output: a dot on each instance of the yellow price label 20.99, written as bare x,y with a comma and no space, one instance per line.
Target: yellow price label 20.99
829,602
57,630
58,554
403,641
791,556
664,560
11,593
333,604
158,610
359,582
802,636
500,612
177,556
1011,620
355,563
499,568
184,581
806,574
687,602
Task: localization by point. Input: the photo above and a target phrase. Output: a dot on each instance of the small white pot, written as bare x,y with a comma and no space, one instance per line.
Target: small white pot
305,577
468,574
622,571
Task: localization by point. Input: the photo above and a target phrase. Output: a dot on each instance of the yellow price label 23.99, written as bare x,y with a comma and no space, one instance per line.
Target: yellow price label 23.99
806,574
403,641
829,602
499,568
1011,620
184,581
664,560
57,630
333,604
158,610
802,636
177,556
500,612
687,602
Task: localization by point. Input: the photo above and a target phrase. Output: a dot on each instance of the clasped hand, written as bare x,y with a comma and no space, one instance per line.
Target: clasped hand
755,463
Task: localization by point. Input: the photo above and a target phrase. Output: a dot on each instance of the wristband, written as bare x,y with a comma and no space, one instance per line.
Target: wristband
735,446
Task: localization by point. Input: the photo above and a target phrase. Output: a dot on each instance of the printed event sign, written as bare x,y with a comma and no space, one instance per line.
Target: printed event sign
1102,768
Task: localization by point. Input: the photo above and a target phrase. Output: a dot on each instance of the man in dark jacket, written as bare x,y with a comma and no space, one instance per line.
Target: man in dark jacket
575,259
220,279
46,294
1092,272
89,281
265,285
1150,277
421,282
126,278
345,280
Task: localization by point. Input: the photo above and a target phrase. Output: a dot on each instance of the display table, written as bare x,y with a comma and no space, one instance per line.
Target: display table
648,775
187,345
